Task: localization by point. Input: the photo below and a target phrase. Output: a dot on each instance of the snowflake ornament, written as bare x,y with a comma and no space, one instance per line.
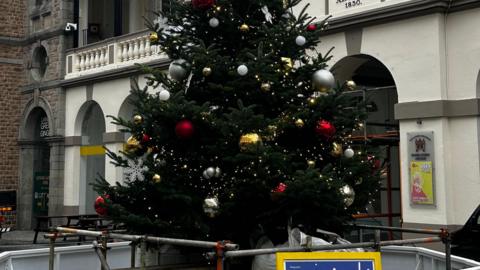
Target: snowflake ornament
136,170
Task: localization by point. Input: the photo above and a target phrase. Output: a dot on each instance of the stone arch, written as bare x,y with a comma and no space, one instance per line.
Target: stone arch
27,117
375,84
127,109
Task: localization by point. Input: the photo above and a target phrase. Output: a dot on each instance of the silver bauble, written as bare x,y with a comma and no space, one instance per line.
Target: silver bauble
205,175
211,206
178,69
210,172
348,195
164,95
323,80
242,70
300,40
349,153
213,22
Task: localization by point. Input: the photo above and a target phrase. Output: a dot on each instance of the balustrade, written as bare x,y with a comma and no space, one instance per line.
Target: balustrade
110,54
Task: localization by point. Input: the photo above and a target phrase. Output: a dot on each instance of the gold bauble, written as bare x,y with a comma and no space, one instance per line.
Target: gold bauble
132,145
299,123
350,85
265,87
337,150
207,71
287,63
250,142
244,27
153,37
137,119
311,164
156,178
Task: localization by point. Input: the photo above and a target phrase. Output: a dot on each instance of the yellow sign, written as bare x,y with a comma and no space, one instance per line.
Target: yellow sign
92,150
421,182
329,261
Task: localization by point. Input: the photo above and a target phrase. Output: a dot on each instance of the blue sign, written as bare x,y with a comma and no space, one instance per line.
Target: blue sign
329,261
329,265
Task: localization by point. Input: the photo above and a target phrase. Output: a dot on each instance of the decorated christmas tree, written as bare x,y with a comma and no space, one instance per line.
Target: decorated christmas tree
247,133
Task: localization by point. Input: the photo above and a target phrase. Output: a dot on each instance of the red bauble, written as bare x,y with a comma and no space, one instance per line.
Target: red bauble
184,129
100,205
311,27
280,188
203,4
146,138
325,129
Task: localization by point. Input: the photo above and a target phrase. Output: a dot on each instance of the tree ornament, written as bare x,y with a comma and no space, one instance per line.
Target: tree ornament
323,80
137,119
312,101
207,71
156,178
349,153
325,129
337,150
184,129
268,15
132,145
311,27
213,22
250,142
242,70
164,95
210,172
348,195
178,69
218,172
265,87
153,37
271,132
203,4
280,188
311,164
300,40
299,123
100,205
135,170
350,85
211,206
244,27
146,138
287,63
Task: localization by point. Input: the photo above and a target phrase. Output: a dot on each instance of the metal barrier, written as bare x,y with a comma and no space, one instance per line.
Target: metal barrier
224,250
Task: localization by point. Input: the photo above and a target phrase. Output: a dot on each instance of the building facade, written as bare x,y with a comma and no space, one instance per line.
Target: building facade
415,59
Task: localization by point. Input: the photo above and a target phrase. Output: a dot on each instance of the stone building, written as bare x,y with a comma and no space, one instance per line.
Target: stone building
415,58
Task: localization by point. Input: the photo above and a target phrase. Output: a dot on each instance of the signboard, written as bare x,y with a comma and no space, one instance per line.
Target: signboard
421,161
40,193
329,261
44,129
347,5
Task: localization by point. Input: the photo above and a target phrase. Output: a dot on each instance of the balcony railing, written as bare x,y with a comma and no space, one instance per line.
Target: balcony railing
111,54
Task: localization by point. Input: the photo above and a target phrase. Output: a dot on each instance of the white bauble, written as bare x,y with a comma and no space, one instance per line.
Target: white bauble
300,40
210,172
213,22
348,153
178,69
242,70
218,172
323,80
164,95
348,195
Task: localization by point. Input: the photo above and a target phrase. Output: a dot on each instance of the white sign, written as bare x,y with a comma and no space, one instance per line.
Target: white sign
347,5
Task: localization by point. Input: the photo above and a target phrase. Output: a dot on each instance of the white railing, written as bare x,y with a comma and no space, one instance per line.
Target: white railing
110,54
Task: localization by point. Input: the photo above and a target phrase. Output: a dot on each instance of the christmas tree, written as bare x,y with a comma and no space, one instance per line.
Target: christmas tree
246,133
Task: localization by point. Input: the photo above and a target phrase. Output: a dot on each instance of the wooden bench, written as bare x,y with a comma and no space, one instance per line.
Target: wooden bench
83,222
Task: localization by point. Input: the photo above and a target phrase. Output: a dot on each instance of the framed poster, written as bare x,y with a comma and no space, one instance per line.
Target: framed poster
421,168
329,261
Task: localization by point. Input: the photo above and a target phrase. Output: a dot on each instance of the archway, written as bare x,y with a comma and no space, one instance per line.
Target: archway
91,122
34,166
375,84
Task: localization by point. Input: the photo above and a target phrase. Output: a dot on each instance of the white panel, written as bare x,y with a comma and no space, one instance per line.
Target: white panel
113,174
72,176
74,99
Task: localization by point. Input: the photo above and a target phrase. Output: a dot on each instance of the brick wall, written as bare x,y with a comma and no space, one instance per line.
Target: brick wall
12,16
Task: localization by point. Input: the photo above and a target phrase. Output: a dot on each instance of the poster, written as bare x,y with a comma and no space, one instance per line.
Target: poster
421,168
421,182
328,261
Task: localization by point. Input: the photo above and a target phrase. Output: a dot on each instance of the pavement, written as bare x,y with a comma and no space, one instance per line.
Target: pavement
18,240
